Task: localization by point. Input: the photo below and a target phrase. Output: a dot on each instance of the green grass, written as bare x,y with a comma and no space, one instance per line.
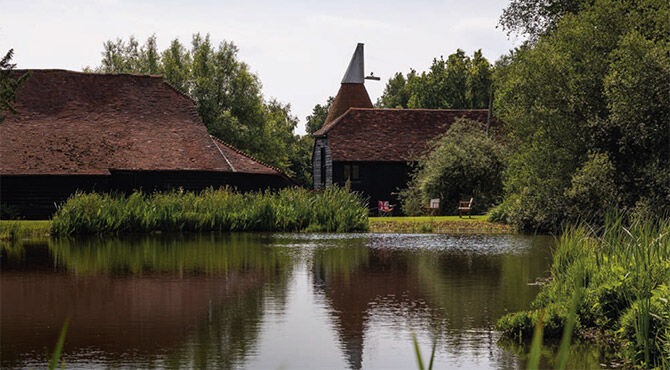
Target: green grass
624,271
334,209
437,224
430,218
14,230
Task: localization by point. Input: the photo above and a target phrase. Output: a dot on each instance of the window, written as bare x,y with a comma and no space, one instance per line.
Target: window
351,172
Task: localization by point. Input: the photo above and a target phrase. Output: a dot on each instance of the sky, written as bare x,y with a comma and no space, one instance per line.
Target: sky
299,49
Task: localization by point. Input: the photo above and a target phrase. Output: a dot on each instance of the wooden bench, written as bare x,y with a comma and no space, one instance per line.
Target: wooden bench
432,208
464,206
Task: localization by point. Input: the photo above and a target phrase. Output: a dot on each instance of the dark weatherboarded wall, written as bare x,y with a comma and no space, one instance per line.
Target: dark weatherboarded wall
376,180
36,196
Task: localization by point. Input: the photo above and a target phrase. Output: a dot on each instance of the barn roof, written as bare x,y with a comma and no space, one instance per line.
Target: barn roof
372,134
86,123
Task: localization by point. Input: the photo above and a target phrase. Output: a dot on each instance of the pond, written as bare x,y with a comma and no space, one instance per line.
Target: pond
271,301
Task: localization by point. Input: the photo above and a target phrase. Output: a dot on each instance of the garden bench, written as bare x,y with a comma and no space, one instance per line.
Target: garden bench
432,208
465,206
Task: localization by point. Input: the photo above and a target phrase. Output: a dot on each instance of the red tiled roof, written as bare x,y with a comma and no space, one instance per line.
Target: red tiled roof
350,95
86,123
390,134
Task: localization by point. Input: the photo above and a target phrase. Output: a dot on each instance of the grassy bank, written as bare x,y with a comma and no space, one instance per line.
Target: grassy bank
13,230
441,224
624,272
334,209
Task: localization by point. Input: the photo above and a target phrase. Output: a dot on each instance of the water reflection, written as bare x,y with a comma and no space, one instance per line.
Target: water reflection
449,286
149,301
266,301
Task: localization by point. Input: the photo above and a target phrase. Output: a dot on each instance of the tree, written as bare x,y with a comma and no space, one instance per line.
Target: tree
319,113
9,85
228,96
596,85
459,82
536,17
464,162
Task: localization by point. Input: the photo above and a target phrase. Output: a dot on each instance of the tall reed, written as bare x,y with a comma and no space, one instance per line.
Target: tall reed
623,270
334,209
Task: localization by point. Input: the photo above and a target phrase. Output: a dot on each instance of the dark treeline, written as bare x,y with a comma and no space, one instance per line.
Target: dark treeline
228,96
587,103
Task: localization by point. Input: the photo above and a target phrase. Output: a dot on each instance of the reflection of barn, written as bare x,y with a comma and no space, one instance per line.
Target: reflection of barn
372,147
450,293
196,302
82,131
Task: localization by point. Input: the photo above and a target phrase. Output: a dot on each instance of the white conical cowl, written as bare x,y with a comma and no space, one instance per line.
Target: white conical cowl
355,72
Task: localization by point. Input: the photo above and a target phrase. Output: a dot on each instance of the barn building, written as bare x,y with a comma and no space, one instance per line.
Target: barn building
375,148
112,132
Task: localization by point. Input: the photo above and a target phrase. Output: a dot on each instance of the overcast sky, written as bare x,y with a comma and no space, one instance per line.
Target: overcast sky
299,49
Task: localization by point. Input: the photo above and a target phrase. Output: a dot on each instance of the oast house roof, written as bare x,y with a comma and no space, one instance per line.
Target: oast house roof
372,134
87,123
350,95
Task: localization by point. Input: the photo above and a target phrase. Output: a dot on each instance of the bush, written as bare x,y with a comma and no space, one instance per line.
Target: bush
8,212
334,209
461,164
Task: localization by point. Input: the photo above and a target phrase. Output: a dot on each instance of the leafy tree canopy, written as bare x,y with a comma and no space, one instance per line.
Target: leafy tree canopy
8,85
535,17
591,93
459,82
316,120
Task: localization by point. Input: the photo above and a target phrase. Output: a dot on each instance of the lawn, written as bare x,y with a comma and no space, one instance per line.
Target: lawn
437,224
430,218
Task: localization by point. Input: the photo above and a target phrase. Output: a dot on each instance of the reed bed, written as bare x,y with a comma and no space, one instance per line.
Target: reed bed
334,209
622,274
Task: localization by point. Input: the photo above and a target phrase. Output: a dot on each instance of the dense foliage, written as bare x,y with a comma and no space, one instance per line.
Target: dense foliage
227,94
587,104
8,85
318,116
536,17
334,209
463,163
622,271
459,81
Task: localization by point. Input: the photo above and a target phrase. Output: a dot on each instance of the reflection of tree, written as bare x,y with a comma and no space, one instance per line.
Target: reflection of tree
448,292
187,300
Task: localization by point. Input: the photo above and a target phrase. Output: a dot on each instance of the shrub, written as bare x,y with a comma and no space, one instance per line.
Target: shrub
463,163
334,209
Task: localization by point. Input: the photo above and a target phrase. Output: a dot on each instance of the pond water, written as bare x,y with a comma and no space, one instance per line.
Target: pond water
271,301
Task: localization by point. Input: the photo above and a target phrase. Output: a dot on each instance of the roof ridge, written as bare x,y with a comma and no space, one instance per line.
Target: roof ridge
247,155
425,109
88,73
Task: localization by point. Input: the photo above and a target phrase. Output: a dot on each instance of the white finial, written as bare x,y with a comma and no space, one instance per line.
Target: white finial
355,73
